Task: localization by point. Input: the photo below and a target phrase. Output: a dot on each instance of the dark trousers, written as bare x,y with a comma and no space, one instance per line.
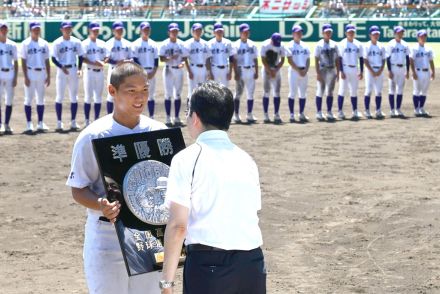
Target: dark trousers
224,272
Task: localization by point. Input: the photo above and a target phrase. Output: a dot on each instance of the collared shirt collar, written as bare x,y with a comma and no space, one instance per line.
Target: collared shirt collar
213,135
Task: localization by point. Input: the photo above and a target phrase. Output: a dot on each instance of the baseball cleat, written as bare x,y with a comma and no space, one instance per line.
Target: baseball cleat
74,126
251,118
356,115
423,112
330,116
368,114
266,118
320,116
8,130
393,113
341,115
2,129
303,117
29,128
237,118
277,119
177,122
42,127
168,122
380,114
87,122
60,127
399,113
292,118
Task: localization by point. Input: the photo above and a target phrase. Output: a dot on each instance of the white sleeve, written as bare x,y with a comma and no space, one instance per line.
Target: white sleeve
431,56
263,51
130,52
14,52
23,51
80,49
179,182
412,53
232,51
388,50
361,50
162,50
365,52
317,51
108,49
133,49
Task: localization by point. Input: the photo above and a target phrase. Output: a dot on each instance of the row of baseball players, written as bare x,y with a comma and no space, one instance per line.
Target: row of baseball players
215,59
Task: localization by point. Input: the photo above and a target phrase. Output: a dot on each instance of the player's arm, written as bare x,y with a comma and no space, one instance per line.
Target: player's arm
25,72
47,62
14,81
341,68
153,72
209,68
164,58
281,63
265,64
232,66
188,68
318,69
368,66
256,68
432,66
408,64
306,70
292,63
413,68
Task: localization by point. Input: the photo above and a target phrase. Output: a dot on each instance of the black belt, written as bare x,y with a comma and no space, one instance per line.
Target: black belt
5,69
220,66
36,69
201,247
95,69
69,65
104,219
423,69
175,67
376,67
301,68
349,65
198,65
247,67
148,68
398,65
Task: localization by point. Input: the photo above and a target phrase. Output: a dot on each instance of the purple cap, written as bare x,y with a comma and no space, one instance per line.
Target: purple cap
66,24
173,26
276,39
350,28
218,27
34,25
398,29
296,29
196,26
422,33
374,30
117,25
145,25
3,24
327,27
94,26
244,27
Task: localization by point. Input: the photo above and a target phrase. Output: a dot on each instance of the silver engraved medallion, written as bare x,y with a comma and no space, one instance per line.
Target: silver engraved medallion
144,190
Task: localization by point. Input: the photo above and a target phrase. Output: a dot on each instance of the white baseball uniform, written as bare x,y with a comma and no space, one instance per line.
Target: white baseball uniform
376,56
66,52
117,50
104,266
327,52
245,55
8,55
397,51
421,56
198,53
269,82
300,54
350,52
146,53
94,75
221,51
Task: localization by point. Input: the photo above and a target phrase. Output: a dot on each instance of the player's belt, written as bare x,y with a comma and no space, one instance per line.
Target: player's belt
376,67
349,65
398,65
5,69
198,65
301,68
104,219
201,247
95,69
148,68
247,67
423,69
174,66
69,65
36,68
220,66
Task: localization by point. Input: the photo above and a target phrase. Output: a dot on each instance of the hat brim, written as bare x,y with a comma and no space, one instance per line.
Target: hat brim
36,27
173,29
145,27
421,35
245,30
399,31
294,31
350,30
219,29
327,30
375,33
118,28
95,28
65,27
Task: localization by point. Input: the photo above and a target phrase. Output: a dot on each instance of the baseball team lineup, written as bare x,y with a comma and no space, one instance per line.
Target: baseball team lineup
346,63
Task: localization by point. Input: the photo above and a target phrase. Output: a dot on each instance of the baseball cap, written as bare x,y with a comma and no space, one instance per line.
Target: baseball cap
398,29
296,29
34,25
374,30
94,26
117,25
276,39
421,33
66,24
218,27
244,27
3,24
327,27
173,26
350,28
144,25
196,26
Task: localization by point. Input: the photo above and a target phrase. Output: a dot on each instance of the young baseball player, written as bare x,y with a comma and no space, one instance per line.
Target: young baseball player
272,56
66,52
103,263
145,53
174,54
198,55
327,71
95,52
375,59
118,51
398,70
350,50
246,72
222,56
423,69
8,75
298,56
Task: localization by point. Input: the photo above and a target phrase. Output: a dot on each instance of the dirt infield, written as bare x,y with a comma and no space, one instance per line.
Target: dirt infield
348,207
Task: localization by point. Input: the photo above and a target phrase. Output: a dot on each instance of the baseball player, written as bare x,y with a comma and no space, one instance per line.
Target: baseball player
422,60
222,56
145,53
246,72
350,50
8,75
198,55
398,69
36,71
174,54
272,56
95,52
374,59
118,50
327,71
66,51
298,56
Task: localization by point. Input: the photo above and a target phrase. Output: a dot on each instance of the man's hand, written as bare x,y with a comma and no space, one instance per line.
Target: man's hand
47,82
407,75
228,76
237,76
432,76
256,75
391,75
319,78
79,73
27,82
151,75
360,76
110,210
415,78
190,75
99,63
342,75
65,71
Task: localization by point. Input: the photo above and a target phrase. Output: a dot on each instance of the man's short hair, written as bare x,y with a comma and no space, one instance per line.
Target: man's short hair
214,104
123,71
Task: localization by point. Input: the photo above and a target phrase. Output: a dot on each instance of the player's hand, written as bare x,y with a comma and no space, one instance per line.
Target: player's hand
237,76
415,78
99,63
407,75
151,75
210,76
432,76
390,75
167,291
190,75
180,65
360,76
110,209
303,73
228,76
273,73
342,75
79,73
255,75
319,78
27,82
14,83
65,71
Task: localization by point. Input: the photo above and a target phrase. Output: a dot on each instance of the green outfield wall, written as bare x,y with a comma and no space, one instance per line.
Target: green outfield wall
260,29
